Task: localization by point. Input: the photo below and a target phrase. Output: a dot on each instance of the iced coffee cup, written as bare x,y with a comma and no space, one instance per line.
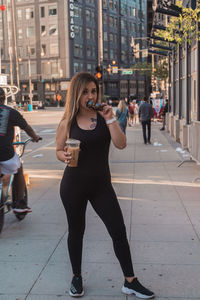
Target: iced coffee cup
73,148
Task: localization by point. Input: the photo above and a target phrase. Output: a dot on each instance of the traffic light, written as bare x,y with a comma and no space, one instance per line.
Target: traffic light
98,73
2,7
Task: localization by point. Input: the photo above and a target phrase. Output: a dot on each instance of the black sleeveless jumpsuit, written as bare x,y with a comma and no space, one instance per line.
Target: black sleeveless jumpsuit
91,181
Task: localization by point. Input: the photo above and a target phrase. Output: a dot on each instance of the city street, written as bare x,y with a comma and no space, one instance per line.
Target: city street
161,208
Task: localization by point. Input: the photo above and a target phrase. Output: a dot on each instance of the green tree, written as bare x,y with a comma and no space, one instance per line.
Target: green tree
183,28
161,70
144,68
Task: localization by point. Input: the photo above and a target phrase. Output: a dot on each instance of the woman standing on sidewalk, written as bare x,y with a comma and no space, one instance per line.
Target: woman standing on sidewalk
122,115
91,179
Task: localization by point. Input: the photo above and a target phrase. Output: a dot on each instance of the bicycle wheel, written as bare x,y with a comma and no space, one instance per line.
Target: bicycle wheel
19,216
1,211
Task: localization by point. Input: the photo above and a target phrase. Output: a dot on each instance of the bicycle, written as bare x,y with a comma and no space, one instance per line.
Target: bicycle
8,189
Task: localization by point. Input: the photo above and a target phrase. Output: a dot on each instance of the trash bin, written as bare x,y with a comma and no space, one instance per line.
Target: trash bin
30,107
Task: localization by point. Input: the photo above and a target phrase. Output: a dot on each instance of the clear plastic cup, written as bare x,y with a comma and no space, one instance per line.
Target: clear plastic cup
73,148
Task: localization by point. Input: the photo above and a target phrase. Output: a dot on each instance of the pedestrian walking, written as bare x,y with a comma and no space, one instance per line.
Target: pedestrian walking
122,115
145,116
165,110
131,108
91,179
136,111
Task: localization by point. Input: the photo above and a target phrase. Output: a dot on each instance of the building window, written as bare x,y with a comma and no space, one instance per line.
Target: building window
88,33
19,33
30,31
123,39
112,54
43,30
123,24
32,51
54,68
53,30
78,12
33,68
43,50
105,36
105,53
78,31
29,13
133,27
78,67
78,50
89,68
105,19
20,52
52,10
112,22
123,9
89,51
54,49
113,85
19,14
123,56
105,3
132,12
45,68
89,15
42,12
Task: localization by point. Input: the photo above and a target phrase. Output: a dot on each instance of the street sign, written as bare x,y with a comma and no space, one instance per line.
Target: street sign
114,70
3,79
127,72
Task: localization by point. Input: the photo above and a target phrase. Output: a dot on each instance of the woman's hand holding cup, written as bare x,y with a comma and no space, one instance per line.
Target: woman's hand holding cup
68,155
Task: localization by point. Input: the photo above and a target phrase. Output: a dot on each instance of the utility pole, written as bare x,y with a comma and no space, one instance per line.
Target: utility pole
29,78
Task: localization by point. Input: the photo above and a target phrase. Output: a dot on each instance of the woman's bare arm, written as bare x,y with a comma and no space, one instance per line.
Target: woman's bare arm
117,136
61,137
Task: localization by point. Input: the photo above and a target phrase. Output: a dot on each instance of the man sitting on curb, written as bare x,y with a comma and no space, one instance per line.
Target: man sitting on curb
9,160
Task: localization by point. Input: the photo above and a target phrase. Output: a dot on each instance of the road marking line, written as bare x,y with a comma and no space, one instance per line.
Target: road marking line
40,148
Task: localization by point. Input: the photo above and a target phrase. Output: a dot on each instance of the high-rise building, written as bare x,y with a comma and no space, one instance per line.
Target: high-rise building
122,20
50,41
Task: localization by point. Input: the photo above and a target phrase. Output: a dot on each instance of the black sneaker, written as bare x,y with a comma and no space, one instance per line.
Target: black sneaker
76,289
137,289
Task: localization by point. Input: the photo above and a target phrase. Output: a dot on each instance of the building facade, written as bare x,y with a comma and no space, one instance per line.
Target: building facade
183,121
48,41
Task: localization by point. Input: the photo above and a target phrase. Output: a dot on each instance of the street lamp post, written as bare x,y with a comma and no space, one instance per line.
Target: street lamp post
100,42
30,83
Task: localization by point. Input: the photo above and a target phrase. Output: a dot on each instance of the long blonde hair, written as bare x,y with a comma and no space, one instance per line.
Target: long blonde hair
74,93
122,105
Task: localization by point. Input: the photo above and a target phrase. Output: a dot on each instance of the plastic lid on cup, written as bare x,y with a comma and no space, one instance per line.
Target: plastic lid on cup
73,142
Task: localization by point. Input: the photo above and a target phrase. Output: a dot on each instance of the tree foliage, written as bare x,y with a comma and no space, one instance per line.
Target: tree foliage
183,28
161,70
144,68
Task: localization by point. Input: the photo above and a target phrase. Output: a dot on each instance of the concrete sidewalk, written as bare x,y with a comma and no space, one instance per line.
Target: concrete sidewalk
161,208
